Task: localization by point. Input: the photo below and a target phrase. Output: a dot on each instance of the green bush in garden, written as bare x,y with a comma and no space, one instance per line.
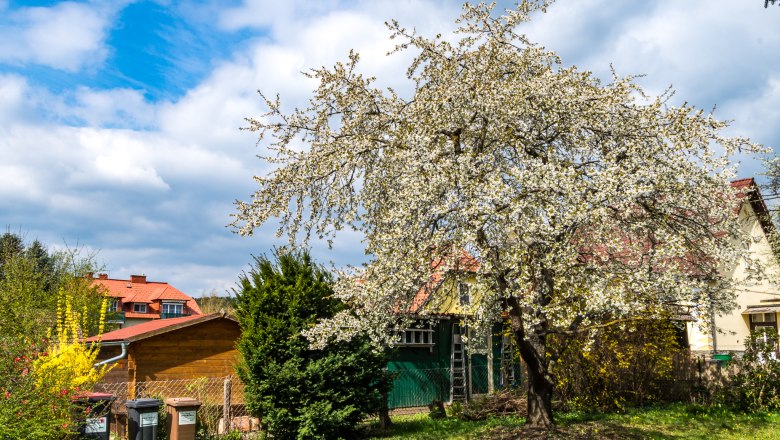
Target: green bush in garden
755,384
299,392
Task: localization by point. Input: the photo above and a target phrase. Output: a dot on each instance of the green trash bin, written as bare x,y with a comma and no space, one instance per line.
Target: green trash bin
142,419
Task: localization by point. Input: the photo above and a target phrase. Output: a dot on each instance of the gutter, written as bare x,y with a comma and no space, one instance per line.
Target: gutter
121,355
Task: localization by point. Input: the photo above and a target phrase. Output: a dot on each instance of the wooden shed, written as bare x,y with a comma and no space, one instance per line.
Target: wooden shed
183,348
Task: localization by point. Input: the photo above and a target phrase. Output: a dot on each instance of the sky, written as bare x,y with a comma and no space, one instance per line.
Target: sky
120,121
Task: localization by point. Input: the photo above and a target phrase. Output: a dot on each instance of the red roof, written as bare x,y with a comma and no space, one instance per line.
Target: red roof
743,183
749,188
465,263
138,290
152,328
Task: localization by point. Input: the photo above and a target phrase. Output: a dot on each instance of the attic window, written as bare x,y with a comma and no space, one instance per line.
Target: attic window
139,307
463,294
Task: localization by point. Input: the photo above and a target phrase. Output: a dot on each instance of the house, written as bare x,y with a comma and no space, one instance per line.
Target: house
431,361
758,300
137,300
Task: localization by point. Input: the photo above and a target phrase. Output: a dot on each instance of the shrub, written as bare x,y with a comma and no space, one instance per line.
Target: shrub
755,385
40,379
296,391
613,366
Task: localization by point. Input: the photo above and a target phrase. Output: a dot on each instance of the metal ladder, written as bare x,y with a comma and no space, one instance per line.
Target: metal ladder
507,361
458,382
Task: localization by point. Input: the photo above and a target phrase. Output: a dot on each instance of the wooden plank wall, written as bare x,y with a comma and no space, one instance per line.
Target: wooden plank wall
203,350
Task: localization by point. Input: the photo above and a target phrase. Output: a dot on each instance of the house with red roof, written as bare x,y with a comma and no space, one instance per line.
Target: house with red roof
136,300
757,298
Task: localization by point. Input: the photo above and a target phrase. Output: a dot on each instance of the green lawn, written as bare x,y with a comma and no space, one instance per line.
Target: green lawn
675,421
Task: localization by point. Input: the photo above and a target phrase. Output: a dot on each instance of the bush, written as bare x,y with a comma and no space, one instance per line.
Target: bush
617,365
298,392
39,380
756,383
27,410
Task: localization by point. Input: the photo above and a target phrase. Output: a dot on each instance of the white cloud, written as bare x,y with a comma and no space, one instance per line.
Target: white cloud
114,107
65,36
14,100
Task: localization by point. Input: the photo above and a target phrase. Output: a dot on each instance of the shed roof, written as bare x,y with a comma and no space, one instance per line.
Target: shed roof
156,327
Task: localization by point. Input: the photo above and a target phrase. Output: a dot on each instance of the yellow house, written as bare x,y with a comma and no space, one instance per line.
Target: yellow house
758,300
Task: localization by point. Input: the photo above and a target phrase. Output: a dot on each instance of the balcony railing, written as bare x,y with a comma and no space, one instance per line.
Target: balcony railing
172,315
115,317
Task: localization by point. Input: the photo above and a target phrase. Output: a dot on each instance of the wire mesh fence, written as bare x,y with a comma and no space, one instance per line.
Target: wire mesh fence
222,401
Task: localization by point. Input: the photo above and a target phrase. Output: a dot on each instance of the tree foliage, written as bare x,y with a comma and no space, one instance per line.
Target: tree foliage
31,277
586,203
299,392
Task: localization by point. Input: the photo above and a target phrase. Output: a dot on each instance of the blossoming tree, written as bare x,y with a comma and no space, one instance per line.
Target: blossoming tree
586,204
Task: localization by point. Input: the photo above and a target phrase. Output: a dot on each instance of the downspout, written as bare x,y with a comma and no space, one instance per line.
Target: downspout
714,327
121,355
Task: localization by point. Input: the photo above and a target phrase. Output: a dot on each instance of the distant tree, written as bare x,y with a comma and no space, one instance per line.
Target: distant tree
30,279
296,391
213,303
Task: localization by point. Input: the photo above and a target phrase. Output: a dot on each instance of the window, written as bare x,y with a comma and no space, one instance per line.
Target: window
463,294
173,308
762,317
763,320
139,307
115,305
415,337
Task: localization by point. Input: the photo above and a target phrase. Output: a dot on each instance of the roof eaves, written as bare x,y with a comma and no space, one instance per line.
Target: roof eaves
170,328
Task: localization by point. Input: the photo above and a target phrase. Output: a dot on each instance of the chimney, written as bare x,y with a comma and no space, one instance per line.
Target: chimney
102,276
140,279
90,276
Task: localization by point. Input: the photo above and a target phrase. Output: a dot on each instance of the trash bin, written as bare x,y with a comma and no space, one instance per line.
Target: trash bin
97,408
722,357
142,419
182,417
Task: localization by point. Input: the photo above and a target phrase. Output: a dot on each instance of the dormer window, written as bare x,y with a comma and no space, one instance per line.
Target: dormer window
139,307
115,305
172,309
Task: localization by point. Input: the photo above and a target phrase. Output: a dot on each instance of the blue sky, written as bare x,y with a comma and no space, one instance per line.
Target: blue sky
119,120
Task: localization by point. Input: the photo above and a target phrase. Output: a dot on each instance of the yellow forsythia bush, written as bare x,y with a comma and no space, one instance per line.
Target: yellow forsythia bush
41,379
618,365
68,367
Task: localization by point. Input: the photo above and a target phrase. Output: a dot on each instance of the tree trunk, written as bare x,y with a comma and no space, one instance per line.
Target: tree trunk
384,411
540,389
533,351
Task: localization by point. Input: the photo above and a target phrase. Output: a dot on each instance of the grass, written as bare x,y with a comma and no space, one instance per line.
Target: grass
675,421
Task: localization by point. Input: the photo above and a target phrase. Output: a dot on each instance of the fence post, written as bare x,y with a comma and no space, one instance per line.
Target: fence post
227,422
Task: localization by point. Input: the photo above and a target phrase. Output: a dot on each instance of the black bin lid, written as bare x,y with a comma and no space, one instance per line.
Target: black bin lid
143,403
